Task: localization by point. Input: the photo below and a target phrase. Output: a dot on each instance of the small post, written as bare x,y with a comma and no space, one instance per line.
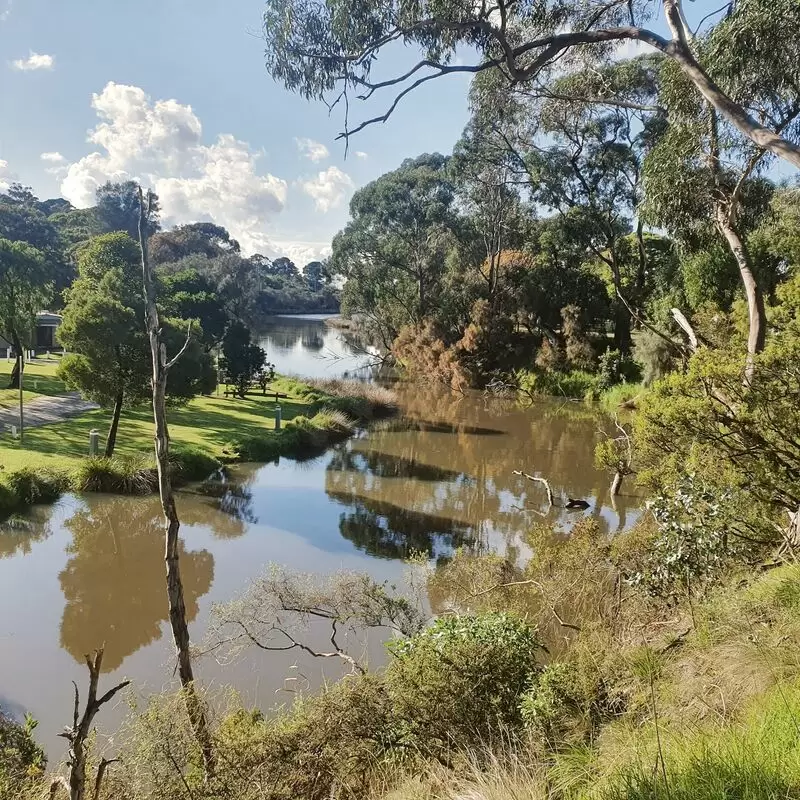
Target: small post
277,418
14,432
36,385
94,442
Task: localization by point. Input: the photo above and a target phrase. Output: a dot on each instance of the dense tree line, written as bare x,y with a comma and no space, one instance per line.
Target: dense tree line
611,206
42,241
86,263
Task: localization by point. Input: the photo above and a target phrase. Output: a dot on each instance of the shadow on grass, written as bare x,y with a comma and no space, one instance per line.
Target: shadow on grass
207,422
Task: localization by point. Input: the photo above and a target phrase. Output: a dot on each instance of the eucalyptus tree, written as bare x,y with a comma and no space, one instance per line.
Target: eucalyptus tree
704,174
25,289
329,49
393,251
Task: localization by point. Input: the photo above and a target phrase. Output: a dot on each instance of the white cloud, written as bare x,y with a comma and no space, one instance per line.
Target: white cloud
328,189
7,177
630,48
33,61
160,143
6,7
303,252
52,158
361,154
314,151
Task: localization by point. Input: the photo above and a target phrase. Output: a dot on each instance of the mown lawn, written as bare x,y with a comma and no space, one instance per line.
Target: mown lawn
208,423
39,378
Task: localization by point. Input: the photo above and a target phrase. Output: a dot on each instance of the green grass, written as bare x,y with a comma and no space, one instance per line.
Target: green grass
623,395
39,378
204,432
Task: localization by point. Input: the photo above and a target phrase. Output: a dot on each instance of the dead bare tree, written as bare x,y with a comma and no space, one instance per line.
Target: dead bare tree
615,453
278,604
78,735
177,607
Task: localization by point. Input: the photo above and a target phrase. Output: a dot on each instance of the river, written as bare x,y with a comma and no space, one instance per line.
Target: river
89,570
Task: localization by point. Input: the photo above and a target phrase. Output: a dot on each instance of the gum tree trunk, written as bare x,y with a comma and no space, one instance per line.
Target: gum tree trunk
111,440
177,609
755,299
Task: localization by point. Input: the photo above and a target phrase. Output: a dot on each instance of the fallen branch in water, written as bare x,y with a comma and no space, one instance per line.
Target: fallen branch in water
543,481
571,503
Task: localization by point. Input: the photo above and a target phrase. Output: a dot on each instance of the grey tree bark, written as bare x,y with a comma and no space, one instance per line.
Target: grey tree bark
111,440
78,735
177,608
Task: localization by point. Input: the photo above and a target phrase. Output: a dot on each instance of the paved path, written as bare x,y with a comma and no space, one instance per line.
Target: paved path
45,410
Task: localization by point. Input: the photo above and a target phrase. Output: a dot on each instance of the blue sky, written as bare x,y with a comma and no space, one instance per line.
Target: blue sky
114,67
175,93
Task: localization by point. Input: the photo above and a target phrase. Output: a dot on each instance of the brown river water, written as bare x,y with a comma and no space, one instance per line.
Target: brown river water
89,570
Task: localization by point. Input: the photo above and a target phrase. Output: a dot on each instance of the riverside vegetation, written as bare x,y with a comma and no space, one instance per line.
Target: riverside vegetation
207,433
658,663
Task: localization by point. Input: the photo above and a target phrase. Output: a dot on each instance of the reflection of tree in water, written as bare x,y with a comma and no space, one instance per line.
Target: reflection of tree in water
382,465
453,458
388,531
19,532
224,506
113,583
312,340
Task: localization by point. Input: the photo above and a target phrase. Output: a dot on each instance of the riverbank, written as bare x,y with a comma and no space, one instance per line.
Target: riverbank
206,432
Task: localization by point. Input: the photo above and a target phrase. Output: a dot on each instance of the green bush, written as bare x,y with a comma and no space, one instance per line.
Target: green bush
26,486
461,680
575,384
614,368
328,745
22,761
191,463
134,476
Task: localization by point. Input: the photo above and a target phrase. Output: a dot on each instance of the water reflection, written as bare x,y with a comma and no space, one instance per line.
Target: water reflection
304,345
113,582
385,530
19,533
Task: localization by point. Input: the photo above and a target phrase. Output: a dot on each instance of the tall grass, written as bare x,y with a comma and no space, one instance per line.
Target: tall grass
363,401
26,486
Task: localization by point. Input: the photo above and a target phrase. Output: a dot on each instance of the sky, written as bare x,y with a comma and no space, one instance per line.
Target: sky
175,93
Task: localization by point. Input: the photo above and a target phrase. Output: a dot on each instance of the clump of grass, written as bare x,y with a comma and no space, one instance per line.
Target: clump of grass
755,758
26,486
135,475
574,385
360,400
334,420
300,438
622,395
190,463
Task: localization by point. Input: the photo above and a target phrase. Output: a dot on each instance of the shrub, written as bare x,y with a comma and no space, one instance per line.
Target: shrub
575,384
27,485
325,746
22,761
134,475
742,442
563,705
461,680
191,463
654,356
614,368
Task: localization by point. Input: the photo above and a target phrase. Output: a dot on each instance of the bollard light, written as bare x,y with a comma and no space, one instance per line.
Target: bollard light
94,442
277,418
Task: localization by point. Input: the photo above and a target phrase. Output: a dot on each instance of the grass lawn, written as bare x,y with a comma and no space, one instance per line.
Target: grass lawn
39,378
207,423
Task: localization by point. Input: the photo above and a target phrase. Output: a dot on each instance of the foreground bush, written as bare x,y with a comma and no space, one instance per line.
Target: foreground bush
22,761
